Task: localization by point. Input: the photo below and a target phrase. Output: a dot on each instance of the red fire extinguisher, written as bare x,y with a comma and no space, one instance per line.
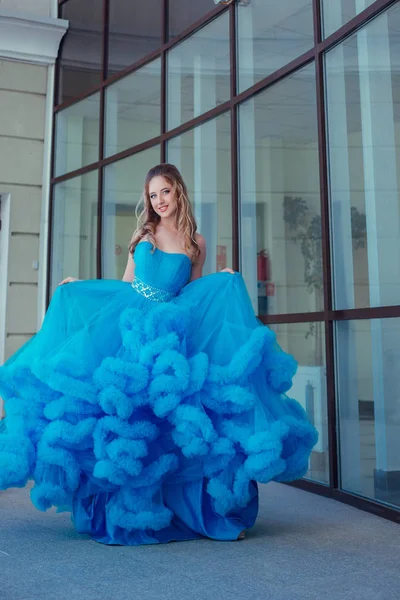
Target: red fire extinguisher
263,266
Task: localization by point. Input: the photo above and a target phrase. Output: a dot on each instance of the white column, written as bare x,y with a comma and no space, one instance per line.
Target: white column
340,198
248,170
110,195
206,159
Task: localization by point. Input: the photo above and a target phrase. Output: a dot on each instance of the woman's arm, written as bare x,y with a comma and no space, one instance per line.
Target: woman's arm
129,270
197,268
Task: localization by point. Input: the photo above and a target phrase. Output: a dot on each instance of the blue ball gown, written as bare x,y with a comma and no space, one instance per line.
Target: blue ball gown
151,410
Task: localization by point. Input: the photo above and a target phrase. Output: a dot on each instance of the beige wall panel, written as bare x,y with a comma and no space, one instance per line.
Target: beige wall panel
24,249
22,161
14,342
19,76
22,115
22,309
26,205
33,7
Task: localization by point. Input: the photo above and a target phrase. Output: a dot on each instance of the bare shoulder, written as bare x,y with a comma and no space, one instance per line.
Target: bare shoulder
201,242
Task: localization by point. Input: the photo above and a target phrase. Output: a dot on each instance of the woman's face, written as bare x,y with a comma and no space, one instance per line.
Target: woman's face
162,197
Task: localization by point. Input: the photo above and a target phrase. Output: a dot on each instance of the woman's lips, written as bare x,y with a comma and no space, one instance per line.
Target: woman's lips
163,208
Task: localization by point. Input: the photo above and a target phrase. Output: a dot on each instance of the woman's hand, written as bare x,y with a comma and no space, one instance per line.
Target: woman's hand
68,280
227,271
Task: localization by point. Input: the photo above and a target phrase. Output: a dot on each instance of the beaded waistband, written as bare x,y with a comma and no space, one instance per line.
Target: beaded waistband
151,292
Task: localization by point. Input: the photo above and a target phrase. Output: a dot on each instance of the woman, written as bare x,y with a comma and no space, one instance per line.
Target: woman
150,407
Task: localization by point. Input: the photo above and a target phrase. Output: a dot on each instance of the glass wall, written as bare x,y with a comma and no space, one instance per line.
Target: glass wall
77,135
204,155
280,197
363,97
133,109
270,35
199,72
368,355
123,186
306,341
289,142
74,230
80,62
132,32
338,12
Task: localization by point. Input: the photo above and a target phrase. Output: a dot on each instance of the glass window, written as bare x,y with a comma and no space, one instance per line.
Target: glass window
133,109
123,187
203,155
306,342
199,72
77,135
368,388
271,34
74,229
134,31
81,50
280,197
339,12
363,97
182,14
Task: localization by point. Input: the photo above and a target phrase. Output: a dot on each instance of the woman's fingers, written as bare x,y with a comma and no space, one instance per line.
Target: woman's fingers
228,271
68,280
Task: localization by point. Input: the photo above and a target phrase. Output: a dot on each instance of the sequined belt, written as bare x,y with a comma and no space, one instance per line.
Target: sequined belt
151,292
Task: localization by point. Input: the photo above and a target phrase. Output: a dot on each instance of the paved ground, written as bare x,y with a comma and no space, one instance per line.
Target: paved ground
303,547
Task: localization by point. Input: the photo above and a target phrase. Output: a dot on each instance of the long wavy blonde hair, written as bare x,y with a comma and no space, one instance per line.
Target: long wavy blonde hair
148,219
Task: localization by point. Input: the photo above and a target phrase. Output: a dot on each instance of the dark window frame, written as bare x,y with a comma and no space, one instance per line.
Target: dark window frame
328,315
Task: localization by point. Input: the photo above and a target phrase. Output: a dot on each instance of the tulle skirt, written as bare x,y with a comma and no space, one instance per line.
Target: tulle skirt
152,422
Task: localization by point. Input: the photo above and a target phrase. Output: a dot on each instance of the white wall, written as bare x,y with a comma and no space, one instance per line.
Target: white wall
23,100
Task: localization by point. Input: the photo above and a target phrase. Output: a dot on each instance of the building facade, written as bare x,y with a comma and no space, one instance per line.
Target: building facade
284,120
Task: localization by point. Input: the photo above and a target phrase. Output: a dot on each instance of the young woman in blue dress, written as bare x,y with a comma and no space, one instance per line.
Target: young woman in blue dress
151,407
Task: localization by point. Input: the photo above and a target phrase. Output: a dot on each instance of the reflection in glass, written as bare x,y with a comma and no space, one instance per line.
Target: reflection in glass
182,14
270,35
363,97
123,187
339,12
306,342
368,388
134,31
199,72
81,50
74,229
280,197
203,157
77,135
133,109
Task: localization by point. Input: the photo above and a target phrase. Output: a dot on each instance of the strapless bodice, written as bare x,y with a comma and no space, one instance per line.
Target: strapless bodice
163,271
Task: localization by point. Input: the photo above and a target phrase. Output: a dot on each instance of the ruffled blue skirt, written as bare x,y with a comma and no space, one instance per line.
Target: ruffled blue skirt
152,422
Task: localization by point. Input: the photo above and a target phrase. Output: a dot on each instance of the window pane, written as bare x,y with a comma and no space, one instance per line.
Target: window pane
182,14
271,34
368,388
74,228
133,109
123,187
306,342
280,197
363,99
134,31
77,135
339,12
199,72
203,155
81,50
